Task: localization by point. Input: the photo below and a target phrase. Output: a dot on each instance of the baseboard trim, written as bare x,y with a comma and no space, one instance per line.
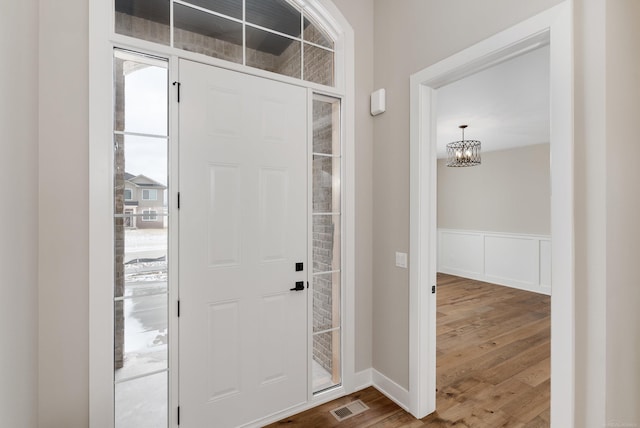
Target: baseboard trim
497,281
317,401
362,380
392,390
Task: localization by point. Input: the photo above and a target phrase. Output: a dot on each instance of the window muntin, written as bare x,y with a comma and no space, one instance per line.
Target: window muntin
276,15
272,35
140,303
149,194
231,8
273,52
326,243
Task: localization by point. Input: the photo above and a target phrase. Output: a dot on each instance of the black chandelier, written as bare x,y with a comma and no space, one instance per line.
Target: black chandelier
464,152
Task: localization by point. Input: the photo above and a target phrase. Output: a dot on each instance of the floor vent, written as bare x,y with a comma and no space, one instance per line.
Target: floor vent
348,410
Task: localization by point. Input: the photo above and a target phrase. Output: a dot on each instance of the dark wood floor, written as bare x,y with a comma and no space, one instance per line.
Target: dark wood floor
492,367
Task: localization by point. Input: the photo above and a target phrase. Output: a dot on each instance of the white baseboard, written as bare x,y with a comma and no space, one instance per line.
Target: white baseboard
392,390
362,380
317,401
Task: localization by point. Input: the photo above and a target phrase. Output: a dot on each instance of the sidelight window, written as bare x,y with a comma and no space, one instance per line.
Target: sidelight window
140,146
326,244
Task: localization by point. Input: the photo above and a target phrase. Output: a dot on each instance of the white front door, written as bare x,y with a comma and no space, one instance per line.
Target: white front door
243,228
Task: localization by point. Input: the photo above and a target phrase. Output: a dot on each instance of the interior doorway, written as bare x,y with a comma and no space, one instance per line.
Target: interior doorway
493,244
552,27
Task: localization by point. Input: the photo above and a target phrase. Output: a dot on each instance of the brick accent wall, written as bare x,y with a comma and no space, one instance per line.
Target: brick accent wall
119,247
318,68
326,238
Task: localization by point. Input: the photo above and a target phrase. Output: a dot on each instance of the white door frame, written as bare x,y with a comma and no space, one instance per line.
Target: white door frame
553,26
102,40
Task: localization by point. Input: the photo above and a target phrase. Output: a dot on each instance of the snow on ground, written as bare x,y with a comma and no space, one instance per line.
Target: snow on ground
145,303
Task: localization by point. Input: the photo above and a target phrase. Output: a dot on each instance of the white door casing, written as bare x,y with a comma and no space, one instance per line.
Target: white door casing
552,26
243,226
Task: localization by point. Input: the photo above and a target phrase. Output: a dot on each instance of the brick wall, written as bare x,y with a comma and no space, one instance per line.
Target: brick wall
318,67
119,227
326,232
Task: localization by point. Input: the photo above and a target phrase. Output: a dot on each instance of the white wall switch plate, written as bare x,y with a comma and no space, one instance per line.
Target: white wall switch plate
401,260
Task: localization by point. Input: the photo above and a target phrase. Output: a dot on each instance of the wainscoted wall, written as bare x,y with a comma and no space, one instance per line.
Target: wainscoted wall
514,260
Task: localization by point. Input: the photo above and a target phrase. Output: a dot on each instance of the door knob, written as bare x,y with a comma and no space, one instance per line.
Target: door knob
299,286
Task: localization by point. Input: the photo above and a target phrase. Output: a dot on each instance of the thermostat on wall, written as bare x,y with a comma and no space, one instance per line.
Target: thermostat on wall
378,102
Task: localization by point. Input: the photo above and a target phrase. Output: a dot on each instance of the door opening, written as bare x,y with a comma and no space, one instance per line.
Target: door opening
553,27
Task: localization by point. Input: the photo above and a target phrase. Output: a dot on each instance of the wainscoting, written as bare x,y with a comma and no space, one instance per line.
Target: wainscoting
512,260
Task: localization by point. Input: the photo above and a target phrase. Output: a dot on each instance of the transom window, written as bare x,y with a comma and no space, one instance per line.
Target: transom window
273,35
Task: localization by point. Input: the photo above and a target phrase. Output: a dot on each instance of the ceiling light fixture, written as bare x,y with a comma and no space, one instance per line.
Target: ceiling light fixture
464,152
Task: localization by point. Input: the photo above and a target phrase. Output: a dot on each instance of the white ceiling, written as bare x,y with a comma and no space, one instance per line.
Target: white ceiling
505,106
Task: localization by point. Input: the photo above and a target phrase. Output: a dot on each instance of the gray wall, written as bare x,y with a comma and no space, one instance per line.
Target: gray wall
64,238
509,192
623,211
409,36
359,13
607,202
64,214
19,214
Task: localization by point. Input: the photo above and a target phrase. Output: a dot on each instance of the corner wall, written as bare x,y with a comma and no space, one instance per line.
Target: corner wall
19,214
411,35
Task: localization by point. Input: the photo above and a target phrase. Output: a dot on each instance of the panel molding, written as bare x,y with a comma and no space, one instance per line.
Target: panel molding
514,260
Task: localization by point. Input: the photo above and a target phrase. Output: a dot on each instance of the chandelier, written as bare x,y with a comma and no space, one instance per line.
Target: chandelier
464,152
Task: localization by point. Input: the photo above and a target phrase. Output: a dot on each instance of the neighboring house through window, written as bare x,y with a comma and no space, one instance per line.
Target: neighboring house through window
149,215
149,194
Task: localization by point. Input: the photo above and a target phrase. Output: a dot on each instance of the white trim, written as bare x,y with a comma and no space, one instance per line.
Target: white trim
508,259
554,25
138,45
392,390
256,26
101,376
173,241
362,379
321,398
102,40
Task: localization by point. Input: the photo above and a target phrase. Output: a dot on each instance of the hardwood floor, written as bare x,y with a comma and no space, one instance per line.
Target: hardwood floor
492,365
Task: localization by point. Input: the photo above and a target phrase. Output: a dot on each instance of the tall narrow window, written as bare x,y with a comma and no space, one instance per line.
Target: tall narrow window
327,243
140,237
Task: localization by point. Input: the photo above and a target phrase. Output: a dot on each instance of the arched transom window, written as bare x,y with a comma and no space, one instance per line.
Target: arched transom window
279,36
